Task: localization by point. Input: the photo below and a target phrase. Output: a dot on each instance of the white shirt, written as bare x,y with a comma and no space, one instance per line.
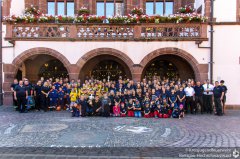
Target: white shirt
189,91
208,87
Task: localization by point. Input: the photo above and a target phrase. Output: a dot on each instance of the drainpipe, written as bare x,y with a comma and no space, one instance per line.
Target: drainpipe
211,42
1,62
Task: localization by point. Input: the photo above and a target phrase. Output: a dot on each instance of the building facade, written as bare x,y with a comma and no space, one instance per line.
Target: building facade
134,51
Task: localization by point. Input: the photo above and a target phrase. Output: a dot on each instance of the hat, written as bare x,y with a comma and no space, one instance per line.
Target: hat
222,81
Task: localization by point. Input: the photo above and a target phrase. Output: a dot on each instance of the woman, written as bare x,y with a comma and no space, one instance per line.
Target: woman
45,91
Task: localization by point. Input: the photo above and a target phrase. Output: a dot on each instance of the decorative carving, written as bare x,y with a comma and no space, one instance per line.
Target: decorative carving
181,31
105,32
41,31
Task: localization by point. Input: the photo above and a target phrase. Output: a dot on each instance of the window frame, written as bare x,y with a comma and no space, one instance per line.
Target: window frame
105,5
56,5
164,5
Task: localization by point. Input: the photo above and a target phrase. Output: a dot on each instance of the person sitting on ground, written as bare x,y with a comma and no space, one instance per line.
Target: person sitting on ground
137,109
123,110
116,110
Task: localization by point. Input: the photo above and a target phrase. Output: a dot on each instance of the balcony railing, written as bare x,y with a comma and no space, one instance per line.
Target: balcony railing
110,32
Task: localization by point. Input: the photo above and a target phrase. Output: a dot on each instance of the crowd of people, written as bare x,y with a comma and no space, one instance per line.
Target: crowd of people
122,98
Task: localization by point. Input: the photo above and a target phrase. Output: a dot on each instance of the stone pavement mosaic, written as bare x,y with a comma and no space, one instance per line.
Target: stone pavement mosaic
60,130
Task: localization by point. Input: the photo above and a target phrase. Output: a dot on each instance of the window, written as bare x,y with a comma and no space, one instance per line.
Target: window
61,7
110,7
161,7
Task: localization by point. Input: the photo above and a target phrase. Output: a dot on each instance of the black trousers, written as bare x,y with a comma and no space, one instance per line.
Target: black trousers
189,101
207,101
14,101
218,105
38,100
45,103
199,100
21,103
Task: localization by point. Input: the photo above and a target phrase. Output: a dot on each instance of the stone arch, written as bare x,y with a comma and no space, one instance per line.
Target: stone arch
40,51
200,70
105,51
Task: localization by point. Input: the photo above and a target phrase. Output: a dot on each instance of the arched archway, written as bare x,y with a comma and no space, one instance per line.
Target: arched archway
186,64
119,62
35,59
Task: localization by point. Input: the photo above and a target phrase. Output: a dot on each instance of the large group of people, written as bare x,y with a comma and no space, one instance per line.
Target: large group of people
122,98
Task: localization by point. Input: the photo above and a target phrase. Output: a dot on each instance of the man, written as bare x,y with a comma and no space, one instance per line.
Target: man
224,88
38,94
189,98
198,96
218,97
13,85
30,103
21,94
207,96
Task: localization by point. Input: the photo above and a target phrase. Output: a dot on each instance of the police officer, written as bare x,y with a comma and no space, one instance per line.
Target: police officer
218,94
224,88
20,94
198,96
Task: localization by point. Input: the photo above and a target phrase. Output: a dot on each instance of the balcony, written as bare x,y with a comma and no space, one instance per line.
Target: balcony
107,32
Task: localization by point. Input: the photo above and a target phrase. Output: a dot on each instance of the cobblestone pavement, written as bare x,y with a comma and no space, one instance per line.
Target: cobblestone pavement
60,130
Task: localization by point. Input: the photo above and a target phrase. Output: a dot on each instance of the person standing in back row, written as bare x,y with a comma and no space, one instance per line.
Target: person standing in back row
207,96
218,97
20,94
224,88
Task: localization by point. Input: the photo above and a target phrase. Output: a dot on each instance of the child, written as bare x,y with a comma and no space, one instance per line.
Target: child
61,98
147,110
152,108
173,101
130,108
181,111
76,110
175,113
83,105
137,109
73,97
123,110
165,110
116,110
157,111
53,96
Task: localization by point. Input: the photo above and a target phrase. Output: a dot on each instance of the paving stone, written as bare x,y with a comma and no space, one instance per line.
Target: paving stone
57,133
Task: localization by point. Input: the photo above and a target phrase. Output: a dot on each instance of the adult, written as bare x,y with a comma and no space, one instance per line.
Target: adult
189,98
199,96
38,94
20,94
13,86
207,96
45,90
224,88
218,97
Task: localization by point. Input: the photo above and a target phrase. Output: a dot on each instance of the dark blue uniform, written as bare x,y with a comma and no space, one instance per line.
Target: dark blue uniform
217,92
53,97
61,98
21,97
199,97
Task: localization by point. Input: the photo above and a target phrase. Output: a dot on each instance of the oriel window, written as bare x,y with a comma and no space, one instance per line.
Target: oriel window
60,7
160,7
109,8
